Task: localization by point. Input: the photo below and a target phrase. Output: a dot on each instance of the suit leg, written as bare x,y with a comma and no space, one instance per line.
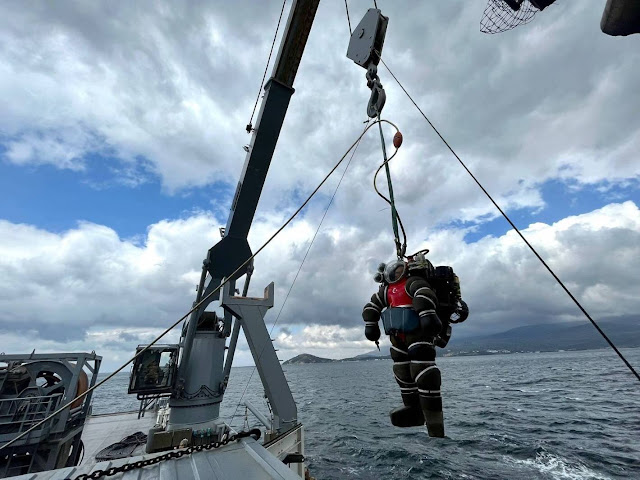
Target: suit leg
426,375
410,414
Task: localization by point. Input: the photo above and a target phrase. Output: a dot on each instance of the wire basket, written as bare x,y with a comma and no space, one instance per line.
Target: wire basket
502,15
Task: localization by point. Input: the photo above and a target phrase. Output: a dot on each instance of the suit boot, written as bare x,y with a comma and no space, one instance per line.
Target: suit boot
435,423
408,415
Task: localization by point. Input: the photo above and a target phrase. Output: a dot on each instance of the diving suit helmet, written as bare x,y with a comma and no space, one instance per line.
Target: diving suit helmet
395,271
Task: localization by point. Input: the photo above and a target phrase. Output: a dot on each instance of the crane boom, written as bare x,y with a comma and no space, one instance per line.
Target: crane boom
232,250
203,371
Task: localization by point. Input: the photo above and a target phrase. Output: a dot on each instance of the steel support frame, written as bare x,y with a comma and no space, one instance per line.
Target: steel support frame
250,312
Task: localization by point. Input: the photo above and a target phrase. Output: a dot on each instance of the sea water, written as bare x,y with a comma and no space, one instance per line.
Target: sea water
564,415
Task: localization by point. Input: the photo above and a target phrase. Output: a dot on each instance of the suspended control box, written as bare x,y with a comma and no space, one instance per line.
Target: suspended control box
154,370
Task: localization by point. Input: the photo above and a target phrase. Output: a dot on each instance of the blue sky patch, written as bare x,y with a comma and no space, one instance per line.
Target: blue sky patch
562,200
55,200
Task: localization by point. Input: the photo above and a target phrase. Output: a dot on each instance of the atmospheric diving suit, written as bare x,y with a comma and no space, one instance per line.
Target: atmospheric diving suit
417,304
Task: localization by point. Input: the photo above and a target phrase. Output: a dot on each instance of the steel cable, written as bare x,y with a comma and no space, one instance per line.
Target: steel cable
348,19
567,291
298,273
198,304
266,68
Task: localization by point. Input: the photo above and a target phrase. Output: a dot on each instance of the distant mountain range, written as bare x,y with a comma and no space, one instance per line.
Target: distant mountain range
623,332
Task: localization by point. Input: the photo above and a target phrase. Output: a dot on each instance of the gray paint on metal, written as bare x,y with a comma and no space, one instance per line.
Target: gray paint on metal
368,37
54,439
207,356
259,415
245,459
192,324
251,311
294,40
233,342
233,249
263,144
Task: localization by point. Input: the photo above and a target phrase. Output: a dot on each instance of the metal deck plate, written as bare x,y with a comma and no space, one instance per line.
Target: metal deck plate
100,431
245,459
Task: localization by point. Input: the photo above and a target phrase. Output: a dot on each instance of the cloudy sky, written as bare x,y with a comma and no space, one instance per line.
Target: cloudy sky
121,141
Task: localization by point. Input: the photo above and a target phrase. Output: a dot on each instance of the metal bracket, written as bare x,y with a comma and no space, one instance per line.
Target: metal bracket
293,458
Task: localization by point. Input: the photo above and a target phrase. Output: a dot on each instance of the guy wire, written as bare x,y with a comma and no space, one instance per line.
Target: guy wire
348,19
567,291
198,304
298,273
264,75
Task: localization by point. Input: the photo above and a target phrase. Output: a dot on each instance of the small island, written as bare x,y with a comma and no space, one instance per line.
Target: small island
306,358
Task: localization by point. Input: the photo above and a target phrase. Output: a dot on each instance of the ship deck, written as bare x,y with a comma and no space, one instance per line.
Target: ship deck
244,459
100,431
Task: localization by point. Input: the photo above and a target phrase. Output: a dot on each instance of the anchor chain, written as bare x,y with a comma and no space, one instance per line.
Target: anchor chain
255,433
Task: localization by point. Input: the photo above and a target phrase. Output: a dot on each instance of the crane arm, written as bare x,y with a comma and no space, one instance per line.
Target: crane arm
233,249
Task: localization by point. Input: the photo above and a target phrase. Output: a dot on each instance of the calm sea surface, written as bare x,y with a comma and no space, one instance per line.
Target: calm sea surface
565,415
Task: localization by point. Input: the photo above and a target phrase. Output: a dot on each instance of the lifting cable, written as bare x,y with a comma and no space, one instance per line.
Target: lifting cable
298,272
264,75
201,302
575,300
401,248
348,19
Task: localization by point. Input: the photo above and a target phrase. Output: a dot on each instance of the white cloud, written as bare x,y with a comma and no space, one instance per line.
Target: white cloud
166,90
88,289
328,341
172,86
88,276
595,254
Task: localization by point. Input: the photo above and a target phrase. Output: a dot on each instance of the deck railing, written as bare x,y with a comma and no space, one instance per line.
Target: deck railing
20,414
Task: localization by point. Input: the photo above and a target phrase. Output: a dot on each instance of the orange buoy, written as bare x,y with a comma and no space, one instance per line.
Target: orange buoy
397,139
83,386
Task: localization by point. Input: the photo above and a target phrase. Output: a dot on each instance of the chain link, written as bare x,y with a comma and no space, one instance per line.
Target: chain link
255,433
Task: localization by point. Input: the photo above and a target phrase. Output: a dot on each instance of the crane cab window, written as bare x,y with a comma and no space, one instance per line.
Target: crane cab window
154,371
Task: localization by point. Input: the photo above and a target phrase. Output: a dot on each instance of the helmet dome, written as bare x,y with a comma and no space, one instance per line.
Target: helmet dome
395,271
